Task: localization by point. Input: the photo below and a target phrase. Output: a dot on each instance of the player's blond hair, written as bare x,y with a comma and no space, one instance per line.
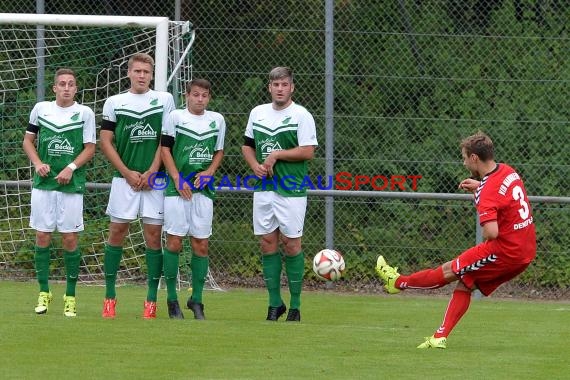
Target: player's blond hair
140,57
479,144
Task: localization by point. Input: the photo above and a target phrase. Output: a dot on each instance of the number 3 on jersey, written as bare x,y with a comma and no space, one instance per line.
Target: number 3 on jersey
518,195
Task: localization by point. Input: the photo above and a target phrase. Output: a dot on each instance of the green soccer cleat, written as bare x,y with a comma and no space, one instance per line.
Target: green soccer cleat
69,309
432,342
388,274
43,302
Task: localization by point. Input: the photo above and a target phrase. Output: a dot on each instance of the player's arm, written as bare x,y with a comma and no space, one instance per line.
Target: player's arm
206,177
183,188
154,167
29,145
64,176
248,152
490,230
109,151
299,153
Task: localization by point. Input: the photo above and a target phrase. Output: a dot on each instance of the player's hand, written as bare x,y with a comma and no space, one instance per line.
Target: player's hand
42,169
144,185
203,179
469,184
64,176
133,178
260,171
184,190
269,163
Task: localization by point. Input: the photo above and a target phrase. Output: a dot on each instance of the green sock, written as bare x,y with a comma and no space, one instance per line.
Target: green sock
71,260
272,276
170,265
295,268
42,267
199,265
110,267
154,271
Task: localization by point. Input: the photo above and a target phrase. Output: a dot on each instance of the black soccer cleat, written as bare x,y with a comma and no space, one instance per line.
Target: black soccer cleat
273,313
294,315
197,308
174,311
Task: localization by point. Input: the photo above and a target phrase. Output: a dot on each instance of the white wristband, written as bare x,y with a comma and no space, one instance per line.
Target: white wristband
72,166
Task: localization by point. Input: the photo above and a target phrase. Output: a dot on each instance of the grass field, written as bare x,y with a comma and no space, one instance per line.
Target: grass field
341,336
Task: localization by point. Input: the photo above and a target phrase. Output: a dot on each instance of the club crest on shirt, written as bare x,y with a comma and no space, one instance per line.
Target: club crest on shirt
75,116
154,101
286,120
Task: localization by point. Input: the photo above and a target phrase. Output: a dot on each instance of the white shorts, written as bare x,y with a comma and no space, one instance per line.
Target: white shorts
189,218
272,211
53,210
127,205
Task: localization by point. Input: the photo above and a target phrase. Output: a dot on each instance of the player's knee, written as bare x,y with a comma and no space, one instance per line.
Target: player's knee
43,239
200,247
268,244
291,246
69,241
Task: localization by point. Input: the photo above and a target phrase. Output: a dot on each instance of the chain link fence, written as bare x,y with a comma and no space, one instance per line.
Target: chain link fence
410,79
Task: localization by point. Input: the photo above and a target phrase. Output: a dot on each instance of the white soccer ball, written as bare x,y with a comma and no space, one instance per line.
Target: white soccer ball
328,265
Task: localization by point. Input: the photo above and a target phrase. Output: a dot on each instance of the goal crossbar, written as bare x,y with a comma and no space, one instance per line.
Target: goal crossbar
159,23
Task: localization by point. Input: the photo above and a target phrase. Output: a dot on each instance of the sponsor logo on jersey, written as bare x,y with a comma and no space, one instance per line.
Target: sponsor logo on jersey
59,147
198,154
141,132
267,146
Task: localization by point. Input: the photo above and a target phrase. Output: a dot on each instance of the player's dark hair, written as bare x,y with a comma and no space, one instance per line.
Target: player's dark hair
479,144
202,83
63,71
140,57
281,72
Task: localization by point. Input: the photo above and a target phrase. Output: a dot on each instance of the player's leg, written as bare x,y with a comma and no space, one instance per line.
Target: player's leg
43,220
154,263
201,216
122,209
265,226
424,279
176,227
152,212
290,212
70,223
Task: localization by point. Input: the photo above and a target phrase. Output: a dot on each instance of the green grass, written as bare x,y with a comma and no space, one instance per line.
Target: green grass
341,336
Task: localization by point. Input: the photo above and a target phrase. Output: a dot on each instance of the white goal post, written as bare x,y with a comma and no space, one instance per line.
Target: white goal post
97,48
160,24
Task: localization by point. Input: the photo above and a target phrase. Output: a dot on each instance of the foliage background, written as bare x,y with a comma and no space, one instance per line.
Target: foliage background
411,78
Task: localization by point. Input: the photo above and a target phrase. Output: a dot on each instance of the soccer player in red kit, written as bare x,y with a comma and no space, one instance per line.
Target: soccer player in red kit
508,248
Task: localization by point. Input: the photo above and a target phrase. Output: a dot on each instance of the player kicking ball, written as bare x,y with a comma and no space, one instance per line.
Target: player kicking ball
508,248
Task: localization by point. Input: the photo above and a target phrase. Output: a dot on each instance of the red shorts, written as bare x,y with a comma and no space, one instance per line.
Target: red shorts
477,267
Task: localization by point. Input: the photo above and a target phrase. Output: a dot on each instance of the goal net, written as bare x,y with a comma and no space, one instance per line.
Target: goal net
97,48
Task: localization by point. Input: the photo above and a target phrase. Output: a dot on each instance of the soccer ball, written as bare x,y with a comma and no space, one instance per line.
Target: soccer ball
328,265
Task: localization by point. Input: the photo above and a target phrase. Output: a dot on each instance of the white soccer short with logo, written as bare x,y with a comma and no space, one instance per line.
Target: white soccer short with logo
189,217
127,204
53,210
272,211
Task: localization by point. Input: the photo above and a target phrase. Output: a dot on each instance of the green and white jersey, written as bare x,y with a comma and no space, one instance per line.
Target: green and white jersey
280,130
196,139
62,131
138,122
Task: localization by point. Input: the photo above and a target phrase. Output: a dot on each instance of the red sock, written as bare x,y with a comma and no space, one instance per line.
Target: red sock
425,279
458,305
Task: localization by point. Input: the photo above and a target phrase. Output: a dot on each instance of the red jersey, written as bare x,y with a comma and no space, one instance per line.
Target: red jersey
501,196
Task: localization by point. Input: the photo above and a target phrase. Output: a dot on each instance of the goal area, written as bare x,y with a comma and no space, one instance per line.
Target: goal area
97,48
